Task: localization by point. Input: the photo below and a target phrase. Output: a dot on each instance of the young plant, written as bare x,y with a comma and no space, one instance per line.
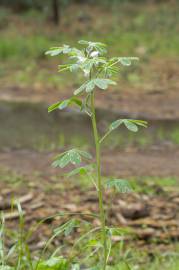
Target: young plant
98,71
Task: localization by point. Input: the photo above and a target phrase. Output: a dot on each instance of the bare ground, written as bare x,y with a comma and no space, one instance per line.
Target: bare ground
124,163
151,216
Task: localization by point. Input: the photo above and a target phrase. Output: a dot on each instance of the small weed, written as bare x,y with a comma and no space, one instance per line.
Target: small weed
98,71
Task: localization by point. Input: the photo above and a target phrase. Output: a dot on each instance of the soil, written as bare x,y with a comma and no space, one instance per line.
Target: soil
43,192
131,162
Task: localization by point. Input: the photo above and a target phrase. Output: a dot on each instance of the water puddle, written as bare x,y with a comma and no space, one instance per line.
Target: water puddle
26,125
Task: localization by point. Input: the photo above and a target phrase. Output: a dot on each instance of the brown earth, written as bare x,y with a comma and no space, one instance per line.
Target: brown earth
43,192
126,163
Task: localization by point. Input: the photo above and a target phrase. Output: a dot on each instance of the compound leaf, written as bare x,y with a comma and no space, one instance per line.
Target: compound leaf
103,83
75,157
120,185
58,50
63,161
85,154
72,156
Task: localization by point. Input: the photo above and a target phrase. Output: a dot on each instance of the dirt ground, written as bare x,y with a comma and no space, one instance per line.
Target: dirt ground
162,163
44,191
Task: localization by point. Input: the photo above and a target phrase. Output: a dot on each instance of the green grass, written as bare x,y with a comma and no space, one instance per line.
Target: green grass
128,26
20,256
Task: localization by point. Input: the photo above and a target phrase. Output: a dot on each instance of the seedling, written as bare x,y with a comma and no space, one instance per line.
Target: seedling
99,72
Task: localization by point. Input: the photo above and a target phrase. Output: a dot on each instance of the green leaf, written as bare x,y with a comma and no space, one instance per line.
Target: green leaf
120,185
80,89
127,61
103,83
54,51
140,123
54,263
80,170
85,154
75,158
70,67
63,161
59,105
115,124
118,231
58,50
74,67
90,86
66,228
71,225
83,42
64,67
93,46
110,70
54,106
85,107
130,125
63,104
121,266
93,243
75,267
72,156
76,101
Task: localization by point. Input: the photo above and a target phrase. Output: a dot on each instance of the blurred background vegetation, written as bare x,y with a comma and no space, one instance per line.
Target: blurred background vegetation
148,29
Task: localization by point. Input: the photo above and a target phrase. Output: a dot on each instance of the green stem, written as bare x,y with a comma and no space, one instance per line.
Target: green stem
99,182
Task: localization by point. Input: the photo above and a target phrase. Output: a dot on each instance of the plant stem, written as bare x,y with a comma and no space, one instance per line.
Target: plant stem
99,182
